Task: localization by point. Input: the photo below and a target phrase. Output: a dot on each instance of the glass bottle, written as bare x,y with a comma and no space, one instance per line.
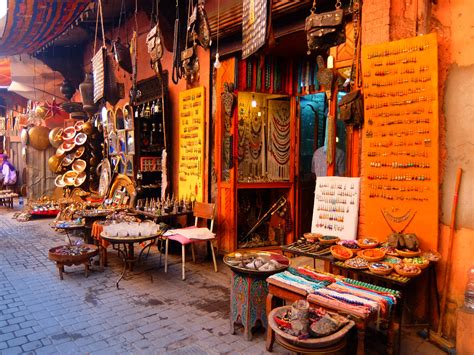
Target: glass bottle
469,294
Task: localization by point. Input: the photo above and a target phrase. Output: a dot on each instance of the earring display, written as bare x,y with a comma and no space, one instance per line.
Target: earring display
400,137
191,142
336,207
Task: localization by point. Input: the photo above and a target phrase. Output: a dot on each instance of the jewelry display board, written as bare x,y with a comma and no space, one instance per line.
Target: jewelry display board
336,207
191,143
400,139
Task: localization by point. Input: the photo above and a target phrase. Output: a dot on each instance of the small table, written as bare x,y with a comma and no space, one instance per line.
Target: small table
128,252
248,294
68,260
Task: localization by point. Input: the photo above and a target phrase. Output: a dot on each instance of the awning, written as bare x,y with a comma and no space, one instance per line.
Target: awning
31,24
34,80
5,74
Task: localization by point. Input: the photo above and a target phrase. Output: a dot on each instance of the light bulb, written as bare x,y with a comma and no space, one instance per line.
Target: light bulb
217,63
254,102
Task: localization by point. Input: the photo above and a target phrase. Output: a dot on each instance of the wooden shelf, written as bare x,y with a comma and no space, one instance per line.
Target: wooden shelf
264,185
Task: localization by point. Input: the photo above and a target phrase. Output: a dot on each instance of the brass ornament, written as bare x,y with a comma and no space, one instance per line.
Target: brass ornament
39,137
54,163
55,138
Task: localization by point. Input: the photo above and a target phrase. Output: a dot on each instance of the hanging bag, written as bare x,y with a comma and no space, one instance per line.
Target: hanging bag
203,31
351,108
154,40
326,29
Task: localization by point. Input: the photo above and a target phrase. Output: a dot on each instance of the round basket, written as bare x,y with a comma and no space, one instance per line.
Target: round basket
367,245
311,342
398,269
408,253
345,243
55,254
423,266
372,255
393,260
432,255
341,253
328,240
378,269
311,237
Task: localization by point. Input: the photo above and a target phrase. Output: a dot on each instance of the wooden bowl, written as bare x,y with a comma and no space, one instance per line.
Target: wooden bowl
399,270
378,269
363,245
422,266
340,252
328,240
310,342
311,237
432,255
393,260
408,253
372,255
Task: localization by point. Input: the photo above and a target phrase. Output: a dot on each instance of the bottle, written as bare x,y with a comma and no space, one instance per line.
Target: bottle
469,294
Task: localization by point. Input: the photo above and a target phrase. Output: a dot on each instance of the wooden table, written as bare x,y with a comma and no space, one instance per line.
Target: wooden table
69,260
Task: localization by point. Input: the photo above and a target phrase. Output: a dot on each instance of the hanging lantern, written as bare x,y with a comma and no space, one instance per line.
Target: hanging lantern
67,89
86,88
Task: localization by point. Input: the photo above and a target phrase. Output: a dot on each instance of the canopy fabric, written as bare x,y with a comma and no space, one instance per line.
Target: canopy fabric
33,23
34,80
5,73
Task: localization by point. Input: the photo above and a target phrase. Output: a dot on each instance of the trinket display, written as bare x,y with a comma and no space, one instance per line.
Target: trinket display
336,206
400,136
314,248
381,268
367,243
372,254
421,262
341,253
254,26
278,156
350,244
407,270
256,262
357,263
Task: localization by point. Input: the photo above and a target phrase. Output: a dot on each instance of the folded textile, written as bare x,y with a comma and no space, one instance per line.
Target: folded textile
316,275
335,304
297,281
192,233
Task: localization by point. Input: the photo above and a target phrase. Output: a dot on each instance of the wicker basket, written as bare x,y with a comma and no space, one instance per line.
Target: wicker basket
407,274
380,271
366,254
408,253
338,256
423,266
333,240
367,246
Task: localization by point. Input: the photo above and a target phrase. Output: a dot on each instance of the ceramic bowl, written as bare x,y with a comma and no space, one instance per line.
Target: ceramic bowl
68,133
327,239
59,182
80,139
79,166
68,159
79,152
80,178
380,268
66,147
69,177
78,125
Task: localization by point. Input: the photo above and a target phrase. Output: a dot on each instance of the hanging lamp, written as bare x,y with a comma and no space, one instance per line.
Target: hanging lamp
217,63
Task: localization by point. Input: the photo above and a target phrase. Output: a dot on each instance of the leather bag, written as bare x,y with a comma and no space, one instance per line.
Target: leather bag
351,108
325,30
203,31
154,44
122,56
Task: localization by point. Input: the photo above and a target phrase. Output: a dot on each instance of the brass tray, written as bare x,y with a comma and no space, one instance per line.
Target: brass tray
234,261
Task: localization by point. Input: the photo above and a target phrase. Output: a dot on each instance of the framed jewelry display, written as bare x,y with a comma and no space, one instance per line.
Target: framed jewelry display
336,207
191,142
400,138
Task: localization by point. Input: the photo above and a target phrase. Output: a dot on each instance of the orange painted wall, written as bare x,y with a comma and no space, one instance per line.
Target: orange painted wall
452,20
145,72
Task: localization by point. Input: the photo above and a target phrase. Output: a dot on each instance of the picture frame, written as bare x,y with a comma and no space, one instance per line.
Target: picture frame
129,166
128,116
122,141
130,139
112,141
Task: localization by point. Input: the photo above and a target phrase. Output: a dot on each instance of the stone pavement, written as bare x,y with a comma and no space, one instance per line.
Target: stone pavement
41,314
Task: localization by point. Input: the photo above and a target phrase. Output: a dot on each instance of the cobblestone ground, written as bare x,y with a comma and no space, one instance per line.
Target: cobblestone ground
41,314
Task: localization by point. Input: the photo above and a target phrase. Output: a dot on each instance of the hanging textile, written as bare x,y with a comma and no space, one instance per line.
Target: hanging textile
278,157
32,24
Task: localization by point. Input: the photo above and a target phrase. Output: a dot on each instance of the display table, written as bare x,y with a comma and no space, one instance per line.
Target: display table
128,251
248,292
56,254
6,198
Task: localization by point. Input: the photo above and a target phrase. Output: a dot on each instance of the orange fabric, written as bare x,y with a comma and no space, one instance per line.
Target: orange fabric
5,74
97,228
